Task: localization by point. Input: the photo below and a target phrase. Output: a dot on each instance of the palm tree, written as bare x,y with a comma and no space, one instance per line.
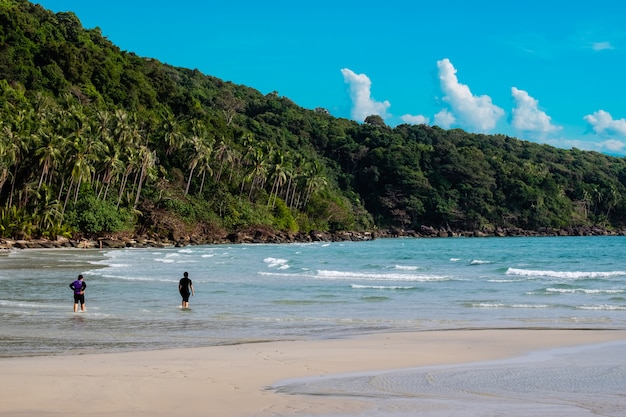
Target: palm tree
48,212
48,154
132,158
257,172
200,153
5,164
148,160
224,156
173,134
278,174
205,165
294,174
315,180
16,145
112,166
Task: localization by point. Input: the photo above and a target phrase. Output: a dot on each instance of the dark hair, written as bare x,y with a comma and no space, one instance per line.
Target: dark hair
186,274
80,277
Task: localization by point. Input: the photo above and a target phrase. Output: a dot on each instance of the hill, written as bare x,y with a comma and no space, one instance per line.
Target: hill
96,141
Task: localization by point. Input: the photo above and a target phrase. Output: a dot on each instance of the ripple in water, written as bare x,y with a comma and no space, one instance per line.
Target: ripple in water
573,382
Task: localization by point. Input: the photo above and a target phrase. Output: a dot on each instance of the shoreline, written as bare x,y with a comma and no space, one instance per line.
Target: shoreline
235,380
264,235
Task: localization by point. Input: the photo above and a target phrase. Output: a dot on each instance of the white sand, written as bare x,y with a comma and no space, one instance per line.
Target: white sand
231,381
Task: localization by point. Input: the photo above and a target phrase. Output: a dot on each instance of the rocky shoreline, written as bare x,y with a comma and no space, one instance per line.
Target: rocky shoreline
263,235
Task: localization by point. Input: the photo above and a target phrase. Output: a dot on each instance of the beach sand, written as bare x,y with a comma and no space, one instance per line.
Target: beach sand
233,381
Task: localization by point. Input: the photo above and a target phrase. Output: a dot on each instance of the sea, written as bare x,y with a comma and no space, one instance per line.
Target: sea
300,291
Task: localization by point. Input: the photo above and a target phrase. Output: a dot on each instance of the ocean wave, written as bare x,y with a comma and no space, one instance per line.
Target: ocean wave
276,263
374,298
381,287
406,267
564,274
504,305
28,304
345,275
166,261
479,262
582,290
606,307
113,265
293,274
141,279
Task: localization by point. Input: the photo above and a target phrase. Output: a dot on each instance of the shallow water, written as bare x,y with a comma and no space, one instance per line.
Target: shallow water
567,382
303,291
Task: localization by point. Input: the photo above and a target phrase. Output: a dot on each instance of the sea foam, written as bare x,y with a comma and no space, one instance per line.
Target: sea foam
564,274
350,275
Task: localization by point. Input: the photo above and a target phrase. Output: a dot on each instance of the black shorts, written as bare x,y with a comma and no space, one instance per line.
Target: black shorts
79,298
185,296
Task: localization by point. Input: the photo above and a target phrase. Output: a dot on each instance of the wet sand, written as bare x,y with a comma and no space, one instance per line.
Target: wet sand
237,381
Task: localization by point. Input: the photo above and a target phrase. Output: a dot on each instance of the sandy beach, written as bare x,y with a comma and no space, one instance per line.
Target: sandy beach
233,381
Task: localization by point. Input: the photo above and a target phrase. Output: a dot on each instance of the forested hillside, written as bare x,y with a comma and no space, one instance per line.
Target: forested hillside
97,141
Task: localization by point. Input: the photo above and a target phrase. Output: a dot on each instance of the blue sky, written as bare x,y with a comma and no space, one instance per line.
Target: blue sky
548,71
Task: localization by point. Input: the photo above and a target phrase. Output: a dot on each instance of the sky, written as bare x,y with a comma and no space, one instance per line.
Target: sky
547,71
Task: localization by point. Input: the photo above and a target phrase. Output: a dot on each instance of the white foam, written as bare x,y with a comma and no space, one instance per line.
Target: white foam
165,261
381,287
502,305
407,267
276,263
606,307
564,274
345,275
146,279
582,290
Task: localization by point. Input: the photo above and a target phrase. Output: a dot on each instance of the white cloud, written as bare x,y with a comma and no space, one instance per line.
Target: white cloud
444,119
610,146
363,104
473,112
601,46
603,123
415,120
527,116
613,145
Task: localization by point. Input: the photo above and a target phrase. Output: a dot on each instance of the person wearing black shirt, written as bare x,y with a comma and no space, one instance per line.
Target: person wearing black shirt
185,288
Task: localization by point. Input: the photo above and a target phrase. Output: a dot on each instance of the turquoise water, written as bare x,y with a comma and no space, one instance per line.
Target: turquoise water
301,291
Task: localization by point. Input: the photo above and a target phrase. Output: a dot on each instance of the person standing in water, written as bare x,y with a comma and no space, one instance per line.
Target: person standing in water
185,288
79,287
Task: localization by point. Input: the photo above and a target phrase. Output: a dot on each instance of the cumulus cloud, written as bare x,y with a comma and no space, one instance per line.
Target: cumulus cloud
603,123
526,115
473,112
612,145
415,120
363,104
444,119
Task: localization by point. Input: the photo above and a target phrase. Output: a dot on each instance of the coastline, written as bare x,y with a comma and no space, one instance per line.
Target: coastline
234,381
261,235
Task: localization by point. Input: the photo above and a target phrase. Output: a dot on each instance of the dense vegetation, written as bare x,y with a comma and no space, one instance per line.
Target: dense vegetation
95,140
